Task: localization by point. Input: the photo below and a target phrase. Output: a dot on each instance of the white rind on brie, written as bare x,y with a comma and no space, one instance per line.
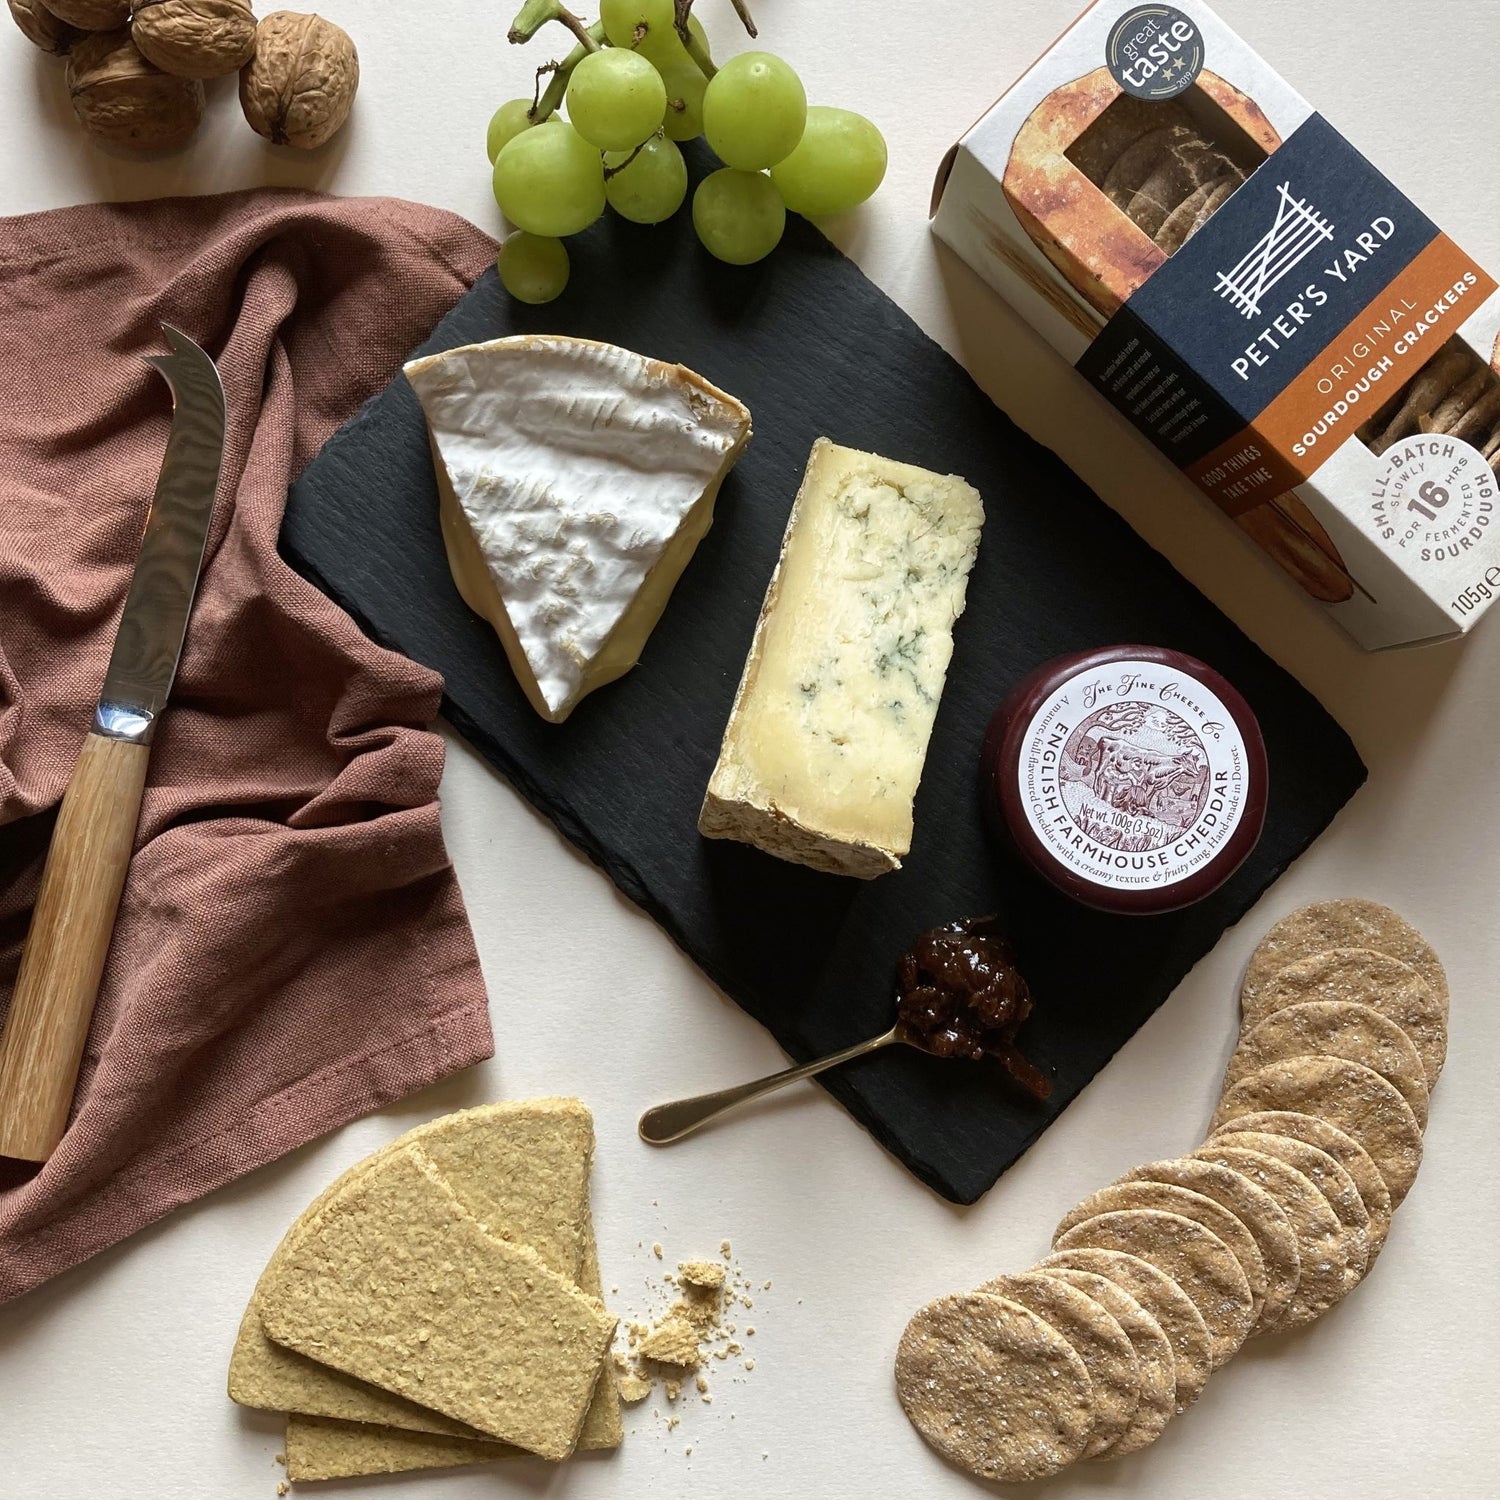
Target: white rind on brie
829,731
576,479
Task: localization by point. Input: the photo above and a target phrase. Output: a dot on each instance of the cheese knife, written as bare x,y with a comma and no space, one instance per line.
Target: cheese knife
41,1048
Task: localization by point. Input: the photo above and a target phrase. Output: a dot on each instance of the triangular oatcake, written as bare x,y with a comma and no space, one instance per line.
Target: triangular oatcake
401,1286
518,1164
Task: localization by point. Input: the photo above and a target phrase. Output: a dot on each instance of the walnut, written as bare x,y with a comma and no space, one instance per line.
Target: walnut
123,100
91,15
195,38
299,87
42,27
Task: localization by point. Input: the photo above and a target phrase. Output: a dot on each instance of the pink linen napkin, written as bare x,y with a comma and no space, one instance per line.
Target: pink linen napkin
292,950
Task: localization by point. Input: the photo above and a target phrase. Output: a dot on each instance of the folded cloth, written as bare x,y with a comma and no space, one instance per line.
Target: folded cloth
292,950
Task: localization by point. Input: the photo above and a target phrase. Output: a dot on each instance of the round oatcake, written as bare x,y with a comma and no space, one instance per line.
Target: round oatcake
1164,1300
1255,1208
1194,1257
994,1388
1157,1380
1173,1199
1361,976
1102,1345
1355,1098
1346,1151
1325,1174
1335,1028
1326,1273
1348,923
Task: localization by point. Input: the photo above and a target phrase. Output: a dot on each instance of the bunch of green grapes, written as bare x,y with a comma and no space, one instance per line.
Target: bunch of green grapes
632,90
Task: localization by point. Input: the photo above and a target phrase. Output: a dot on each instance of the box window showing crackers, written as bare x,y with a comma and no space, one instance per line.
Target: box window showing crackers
1243,285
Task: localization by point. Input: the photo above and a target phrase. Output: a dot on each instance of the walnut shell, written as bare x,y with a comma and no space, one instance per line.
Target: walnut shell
299,87
195,38
91,15
42,27
123,100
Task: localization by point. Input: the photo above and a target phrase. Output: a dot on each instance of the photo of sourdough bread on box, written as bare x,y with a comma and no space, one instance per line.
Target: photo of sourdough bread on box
1245,287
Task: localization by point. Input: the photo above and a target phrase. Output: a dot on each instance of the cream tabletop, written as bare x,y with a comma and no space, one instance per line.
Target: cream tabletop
112,1376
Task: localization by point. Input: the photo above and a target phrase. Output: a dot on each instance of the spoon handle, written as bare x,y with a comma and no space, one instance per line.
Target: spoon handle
670,1122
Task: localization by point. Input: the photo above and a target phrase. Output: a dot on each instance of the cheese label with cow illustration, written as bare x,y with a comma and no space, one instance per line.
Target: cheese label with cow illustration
1133,775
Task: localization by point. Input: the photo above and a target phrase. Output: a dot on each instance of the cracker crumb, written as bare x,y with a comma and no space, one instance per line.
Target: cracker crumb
749,1364
674,1341
672,1423
282,1487
749,1331
280,1458
705,1275
688,1331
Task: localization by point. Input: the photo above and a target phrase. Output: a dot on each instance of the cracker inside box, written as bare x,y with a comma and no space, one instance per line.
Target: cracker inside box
1258,300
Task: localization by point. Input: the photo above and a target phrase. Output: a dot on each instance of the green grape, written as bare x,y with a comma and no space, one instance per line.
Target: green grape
664,47
659,42
550,181
615,99
684,82
621,19
533,267
838,163
739,216
506,124
753,111
652,187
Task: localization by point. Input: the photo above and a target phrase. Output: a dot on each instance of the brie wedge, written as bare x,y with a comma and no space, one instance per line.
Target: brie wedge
829,730
576,480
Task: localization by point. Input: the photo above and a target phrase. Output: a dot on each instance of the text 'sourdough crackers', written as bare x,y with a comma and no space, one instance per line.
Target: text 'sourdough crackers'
1258,300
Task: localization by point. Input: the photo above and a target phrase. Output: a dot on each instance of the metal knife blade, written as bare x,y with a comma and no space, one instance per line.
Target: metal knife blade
151,631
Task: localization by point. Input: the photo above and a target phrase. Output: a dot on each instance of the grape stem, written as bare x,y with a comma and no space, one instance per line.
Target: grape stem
682,9
535,14
620,167
544,103
743,12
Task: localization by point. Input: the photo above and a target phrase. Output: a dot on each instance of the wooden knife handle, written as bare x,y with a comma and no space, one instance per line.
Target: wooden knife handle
42,1044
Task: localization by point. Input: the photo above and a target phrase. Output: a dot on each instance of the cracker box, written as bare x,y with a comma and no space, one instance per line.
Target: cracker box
1257,299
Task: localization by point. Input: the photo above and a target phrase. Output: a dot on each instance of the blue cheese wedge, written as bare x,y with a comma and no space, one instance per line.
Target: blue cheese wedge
576,479
829,730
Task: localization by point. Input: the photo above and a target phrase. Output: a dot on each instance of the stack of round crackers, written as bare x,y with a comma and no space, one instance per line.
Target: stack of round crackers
1157,1280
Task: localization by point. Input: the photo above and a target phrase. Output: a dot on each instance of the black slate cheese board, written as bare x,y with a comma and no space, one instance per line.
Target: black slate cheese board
814,348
